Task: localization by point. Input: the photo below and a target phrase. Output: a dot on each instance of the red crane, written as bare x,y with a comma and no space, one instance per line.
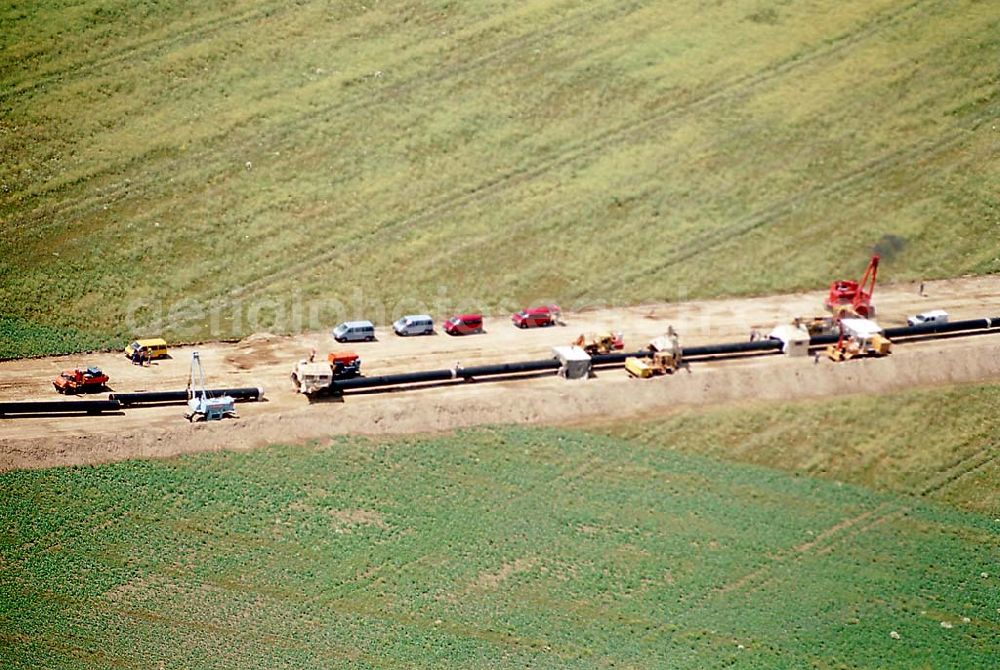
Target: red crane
852,296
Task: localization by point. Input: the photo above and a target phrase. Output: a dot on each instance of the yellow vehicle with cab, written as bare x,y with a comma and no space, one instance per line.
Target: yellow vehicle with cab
155,347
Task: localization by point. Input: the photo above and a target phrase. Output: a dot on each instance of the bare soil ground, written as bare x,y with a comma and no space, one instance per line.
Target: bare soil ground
265,360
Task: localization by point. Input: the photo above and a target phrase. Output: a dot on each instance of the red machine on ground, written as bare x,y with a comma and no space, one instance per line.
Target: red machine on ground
75,381
854,297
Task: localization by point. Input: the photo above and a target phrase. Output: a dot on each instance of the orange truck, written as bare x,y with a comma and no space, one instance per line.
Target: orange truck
80,381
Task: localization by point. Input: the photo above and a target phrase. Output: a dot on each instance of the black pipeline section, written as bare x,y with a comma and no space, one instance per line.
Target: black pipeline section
59,407
181,397
941,328
446,375
541,365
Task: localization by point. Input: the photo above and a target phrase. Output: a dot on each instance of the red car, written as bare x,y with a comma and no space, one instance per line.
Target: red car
464,324
536,316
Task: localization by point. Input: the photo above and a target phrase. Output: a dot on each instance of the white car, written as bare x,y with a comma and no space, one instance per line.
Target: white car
354,331
934,316
415,324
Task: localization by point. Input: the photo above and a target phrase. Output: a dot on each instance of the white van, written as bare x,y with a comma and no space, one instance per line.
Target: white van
354,331
415,324
935,316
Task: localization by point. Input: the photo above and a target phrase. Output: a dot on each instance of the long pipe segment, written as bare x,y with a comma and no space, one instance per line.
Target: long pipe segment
181,397
59,406
537,366
445,375
988,323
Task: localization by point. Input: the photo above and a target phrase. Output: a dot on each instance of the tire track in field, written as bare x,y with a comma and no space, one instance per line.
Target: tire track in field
599,142
512,46
144,47
700,243
381,95
962,468
840,186
824,542
835,537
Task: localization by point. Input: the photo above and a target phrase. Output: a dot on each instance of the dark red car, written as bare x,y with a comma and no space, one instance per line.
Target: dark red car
464,324
536,316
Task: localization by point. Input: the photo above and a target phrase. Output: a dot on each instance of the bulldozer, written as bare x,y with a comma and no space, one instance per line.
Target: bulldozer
664,357
859,338
600,343
817,325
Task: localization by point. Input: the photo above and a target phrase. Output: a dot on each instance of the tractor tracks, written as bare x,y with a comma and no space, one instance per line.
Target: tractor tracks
962,468
786,206
840,534
605,140
145,48
381,95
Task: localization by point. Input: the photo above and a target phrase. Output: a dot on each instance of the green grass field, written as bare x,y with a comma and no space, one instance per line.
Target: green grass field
510,547
231,153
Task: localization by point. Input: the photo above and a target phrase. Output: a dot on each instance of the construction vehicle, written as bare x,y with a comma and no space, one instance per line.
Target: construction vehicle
816,325
201,406
310,377
854,298
859,338
664,357
345,364
600,343
77,381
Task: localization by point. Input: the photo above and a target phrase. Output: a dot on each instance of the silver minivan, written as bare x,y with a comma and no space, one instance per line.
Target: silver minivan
414,324
354,331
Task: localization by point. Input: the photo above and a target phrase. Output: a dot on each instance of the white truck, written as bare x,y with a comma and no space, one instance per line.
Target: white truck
934,316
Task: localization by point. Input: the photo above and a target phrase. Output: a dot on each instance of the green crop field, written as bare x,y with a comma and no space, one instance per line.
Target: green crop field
508,547
205,168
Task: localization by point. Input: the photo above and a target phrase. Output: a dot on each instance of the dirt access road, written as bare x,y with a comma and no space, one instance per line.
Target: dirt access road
265,360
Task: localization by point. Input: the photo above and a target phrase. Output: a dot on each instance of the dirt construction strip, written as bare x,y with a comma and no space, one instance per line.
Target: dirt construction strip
265,360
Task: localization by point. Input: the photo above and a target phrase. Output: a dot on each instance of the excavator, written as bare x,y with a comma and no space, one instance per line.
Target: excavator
854,298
